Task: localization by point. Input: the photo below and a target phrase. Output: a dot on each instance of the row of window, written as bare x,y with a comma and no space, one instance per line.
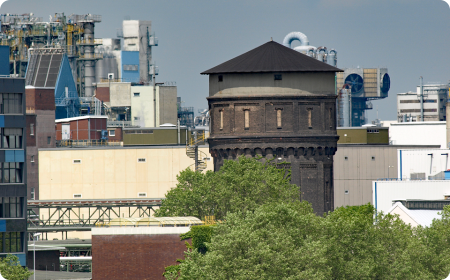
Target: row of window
11,103
346,158
279,118
11,172
11,138
11,242
11,207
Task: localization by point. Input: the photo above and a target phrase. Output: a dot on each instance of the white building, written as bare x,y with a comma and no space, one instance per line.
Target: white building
423,164
418,133
386,192
434,100
414,217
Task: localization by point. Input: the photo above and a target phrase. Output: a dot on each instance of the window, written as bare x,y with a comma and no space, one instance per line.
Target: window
32,159
11,172
345,158
277,77
246,119
220,78
138,131
373,158
49,140
142,194
130,67
31,128
77,195
77,161
330,117
346,192
33,194
112,133
11,207
11,103
12,242
310,118
141,160
221,119
279,117
136,118
136,94
11,138
207,159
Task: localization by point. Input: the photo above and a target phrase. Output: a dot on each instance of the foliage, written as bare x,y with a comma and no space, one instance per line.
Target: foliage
288,241
11,269
200,235
239,186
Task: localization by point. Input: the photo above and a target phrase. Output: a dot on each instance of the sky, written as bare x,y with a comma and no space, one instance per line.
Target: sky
409,37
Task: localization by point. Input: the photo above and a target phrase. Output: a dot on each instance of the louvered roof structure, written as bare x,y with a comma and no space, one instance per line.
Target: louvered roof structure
271,57
44,68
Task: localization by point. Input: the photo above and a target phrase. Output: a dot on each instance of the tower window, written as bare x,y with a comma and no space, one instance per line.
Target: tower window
31,128
330,117
277,77
310,118
220,78
279,117
246,119
221,119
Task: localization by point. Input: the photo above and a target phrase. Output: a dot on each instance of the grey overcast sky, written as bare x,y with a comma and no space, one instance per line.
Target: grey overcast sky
409,37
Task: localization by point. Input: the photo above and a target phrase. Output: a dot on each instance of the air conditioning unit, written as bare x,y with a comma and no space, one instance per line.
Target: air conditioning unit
366,82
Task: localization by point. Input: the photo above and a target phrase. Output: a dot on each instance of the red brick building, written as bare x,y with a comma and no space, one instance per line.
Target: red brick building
135,252
81,128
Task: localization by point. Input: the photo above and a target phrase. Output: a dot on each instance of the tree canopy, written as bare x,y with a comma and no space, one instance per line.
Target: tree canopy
288,241
242,185
10,268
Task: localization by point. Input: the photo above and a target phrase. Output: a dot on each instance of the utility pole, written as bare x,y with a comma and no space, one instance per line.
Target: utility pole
421,98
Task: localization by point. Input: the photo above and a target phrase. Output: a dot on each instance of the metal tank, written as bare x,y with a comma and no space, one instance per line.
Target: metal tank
332,58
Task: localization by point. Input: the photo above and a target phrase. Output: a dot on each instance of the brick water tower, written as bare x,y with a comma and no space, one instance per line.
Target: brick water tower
280,104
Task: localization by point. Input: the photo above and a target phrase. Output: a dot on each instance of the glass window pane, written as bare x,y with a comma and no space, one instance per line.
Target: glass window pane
6,175
1,242
12,141
5,142
12,175
18,175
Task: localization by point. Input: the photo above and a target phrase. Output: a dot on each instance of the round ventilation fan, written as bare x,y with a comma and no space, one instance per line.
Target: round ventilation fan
385,83
356,81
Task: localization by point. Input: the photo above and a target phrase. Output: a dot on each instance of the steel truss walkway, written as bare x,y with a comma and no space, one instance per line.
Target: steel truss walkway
83,214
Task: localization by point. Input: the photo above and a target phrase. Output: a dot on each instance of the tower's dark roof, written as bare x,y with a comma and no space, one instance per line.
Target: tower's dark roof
272,57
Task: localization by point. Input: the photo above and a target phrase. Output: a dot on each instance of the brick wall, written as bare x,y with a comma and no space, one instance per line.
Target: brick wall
134,256
118,134
102,93
40,99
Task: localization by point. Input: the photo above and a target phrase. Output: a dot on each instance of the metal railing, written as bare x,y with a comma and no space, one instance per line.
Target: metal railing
119,124
87,143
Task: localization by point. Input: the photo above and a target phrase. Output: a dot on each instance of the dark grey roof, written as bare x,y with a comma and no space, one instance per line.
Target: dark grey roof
272,57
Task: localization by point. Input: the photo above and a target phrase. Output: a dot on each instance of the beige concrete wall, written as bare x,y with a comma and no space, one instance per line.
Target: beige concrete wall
260,84
111,173
354,170
119,94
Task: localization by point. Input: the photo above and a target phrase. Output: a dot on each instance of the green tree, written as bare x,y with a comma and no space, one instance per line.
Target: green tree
10,268
288,241
239,186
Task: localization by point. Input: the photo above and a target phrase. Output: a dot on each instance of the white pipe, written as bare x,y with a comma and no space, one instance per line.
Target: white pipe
295,36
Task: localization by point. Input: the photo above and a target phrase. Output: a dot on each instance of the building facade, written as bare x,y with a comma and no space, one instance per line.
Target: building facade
357,166
13,178
434,99
280,106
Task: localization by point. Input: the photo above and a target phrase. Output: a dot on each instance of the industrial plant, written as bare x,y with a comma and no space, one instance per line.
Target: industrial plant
356,87
91,141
